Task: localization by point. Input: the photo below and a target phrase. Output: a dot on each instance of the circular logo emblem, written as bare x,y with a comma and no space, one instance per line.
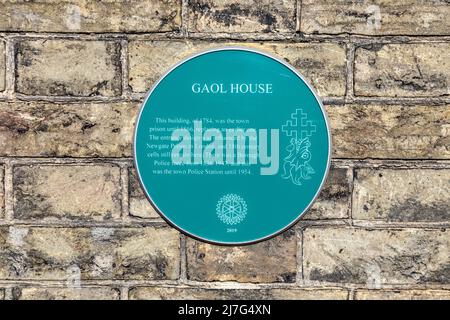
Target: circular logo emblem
232,146
231,209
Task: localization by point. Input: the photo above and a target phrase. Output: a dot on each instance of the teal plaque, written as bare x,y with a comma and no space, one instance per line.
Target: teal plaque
232,146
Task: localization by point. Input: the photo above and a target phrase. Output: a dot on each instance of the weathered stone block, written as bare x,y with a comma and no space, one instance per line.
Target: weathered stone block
68,68
273,260
2,191
70,293
2,65
91,16
403,70
242,16
390,131
66,130
402,195
323,64
402,295
188,293
375,17
376,257
79,253
333,201
139,205
68,192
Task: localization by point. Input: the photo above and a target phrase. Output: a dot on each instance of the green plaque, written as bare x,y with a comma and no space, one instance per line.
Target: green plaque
232,146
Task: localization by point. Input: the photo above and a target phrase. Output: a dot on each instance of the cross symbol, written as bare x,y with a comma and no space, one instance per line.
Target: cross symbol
307,129
291,127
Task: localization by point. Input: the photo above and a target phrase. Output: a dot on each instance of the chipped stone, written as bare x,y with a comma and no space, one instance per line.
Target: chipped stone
402,195
91,16
69,192
68,68
16,235
66,130
403,70
102,233
242,16
103,264
375,17
72,254
207,262
322,64
376,257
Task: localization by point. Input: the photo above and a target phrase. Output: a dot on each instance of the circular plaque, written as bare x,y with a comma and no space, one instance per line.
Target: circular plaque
232,146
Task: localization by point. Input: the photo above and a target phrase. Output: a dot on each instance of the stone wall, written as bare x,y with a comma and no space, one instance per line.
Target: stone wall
74,223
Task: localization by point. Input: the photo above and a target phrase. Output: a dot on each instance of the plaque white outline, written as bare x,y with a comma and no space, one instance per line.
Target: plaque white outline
324,114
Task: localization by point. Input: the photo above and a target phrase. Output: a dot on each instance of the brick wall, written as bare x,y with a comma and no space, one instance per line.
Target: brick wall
74,222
